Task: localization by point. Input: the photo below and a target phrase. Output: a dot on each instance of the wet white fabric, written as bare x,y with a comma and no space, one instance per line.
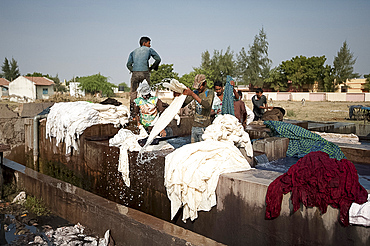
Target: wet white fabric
192,171
228,128
165,118
66,121
359,214
127,141
175,86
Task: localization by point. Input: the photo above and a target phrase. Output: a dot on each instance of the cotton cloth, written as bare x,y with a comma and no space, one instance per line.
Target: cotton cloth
317,180
127,141
192,171
228,99
144,88
66,121
302,141
359,214
165,118
175,86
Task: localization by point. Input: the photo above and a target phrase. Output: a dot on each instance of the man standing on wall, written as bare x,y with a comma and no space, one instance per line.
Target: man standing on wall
138,64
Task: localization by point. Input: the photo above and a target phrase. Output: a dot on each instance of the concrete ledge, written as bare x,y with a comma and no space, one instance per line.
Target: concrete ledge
128,226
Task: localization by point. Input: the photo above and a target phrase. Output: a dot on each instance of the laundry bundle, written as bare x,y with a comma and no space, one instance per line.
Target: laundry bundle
192,171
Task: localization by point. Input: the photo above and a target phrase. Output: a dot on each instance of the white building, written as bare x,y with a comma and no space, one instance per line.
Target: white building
74,89
28,89
4,87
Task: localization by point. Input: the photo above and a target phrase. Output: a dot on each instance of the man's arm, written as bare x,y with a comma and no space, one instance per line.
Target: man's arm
236,95
157,59
205,103
129,63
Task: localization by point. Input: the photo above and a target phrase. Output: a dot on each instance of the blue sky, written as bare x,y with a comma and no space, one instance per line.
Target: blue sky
81,38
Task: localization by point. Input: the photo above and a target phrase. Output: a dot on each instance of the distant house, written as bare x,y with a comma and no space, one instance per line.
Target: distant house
75,90
4,87
353,86
28,89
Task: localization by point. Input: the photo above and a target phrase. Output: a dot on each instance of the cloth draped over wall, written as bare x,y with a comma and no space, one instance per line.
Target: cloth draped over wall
302,141
66,121
317,180
192,171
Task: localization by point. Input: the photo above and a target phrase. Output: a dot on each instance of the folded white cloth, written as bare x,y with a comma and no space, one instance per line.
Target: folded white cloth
359,214
175,86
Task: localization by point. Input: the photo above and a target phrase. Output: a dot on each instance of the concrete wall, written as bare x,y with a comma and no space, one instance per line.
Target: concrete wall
317,96
40,91
238,218
355,97
299,96
336,97
11,127
75,91
23,88
127,226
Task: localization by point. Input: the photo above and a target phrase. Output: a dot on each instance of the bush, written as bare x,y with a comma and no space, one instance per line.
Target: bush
290,113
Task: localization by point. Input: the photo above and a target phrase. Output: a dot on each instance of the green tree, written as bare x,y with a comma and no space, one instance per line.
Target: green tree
302,71
253,66
343,65
217,67
277,79
164,72
367,83
10,70
96,83
327,79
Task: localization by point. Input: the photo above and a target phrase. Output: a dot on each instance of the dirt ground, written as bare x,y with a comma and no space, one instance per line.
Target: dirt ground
313,111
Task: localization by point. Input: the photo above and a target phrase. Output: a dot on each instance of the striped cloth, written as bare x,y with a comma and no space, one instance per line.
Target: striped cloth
228,99
302,141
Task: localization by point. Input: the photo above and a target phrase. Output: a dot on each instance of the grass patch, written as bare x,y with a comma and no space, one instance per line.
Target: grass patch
36,206
290,113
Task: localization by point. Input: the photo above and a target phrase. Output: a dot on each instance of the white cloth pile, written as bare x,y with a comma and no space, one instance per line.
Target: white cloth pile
192,171
127,141
359,214
228,128
68,120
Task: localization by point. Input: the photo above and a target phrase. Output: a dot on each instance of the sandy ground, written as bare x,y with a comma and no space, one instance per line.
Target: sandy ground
313,111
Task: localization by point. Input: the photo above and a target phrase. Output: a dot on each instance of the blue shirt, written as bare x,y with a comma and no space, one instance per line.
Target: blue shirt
138,59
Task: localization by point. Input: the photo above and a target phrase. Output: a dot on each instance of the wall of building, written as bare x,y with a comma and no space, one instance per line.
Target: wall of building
22,88
40,91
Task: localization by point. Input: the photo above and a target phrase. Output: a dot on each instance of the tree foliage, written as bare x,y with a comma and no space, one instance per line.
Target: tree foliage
58,85
299,72
367,83
253,66
164,72
10,69
96,83
343,65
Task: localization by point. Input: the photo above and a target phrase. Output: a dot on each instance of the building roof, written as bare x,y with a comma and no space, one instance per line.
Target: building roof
40,80
4,81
